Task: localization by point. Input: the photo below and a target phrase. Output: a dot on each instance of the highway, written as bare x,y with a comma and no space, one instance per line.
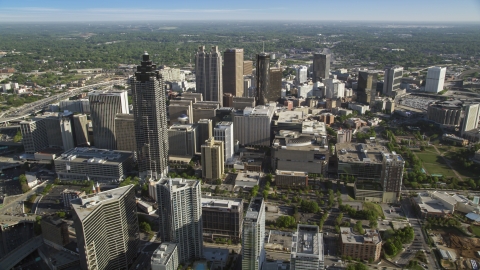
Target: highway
7,208
26,109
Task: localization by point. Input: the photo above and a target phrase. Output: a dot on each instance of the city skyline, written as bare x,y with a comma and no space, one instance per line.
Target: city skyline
52,10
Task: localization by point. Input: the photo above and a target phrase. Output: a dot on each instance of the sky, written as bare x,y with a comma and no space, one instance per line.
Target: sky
187,10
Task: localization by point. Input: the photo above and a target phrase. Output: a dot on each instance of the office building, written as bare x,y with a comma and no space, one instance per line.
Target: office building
106,228
180,216
447,113
321,67
262,77
194,97
204,110
366,86
291,179
247,68
150,114
377,172
223,132
334,88
67,130
240,103
307,248
364,247
302,74
392,80
165,257
171,74
75,106
80,124
178,109
252,126
124,132
233,72
55,230
68,195
253,236
470,120
208,74
95,164
182,140
222,218
205,129
274,92
213,159
104,106
435,79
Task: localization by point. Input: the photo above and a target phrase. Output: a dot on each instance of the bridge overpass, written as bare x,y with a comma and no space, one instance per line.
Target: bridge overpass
18,254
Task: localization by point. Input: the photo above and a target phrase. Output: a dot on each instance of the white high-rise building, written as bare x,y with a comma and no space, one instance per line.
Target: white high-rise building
253,236
470,120
392,79
223,131
435,79
302,76
307,248
180,216
334,88
252,126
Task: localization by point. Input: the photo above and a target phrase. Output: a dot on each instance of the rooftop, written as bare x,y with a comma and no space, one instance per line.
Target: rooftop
94,155
290,116
365,153
162,253
349,237
177,183
292,173
294,140
86,204
186,127
307,240
260,111
254,209
429,204
314,127
247,179
219,204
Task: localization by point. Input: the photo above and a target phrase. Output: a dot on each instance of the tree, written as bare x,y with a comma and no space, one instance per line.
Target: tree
18,137
61,214
359,227
286,222
145,226
373,223
265,194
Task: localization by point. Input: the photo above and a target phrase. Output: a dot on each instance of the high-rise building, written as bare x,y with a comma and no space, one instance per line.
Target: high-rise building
222,218
208,74
240,103
124,132
180,216
392,80
252,126
104,106
302,74
366,86
253,236
106,226
275,85
307,248
435,79
75,106
447,113
205,129
223,131
334,88
363,247
182,140
470,120
67,130
213,159
320,67
247,68
80,123
165,257
149,110
233,72
262,77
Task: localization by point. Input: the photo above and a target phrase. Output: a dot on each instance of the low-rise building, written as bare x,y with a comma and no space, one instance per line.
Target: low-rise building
364,247
454,139
68,195
222,218
55,230
434,204
247,180
291,179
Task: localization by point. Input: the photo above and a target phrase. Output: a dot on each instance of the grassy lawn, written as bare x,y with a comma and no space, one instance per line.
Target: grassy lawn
375,207
439,169
475,230
429,157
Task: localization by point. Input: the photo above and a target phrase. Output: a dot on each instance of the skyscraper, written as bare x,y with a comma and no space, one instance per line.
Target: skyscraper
104,105
392,79
302,73
204,132
212,159
106,226
262,78
275,85
470,121
80,123
180,215
321,67
149,110
435,79
233,72
208,74
253,251
124,132
367,86
223,131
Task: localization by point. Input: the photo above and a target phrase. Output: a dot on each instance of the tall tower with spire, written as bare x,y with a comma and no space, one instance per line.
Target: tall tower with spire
150,114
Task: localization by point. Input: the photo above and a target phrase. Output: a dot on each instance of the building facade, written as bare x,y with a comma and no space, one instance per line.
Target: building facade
222,218
80,124
55,230
233,72
150,114
165,257
470,121
321,67
366,86
253,236
262,77
223,131
212,159
205,129
180,216
364,247
106,227
302,74
307,248
182,140
435,79
252,126
447,113
392,80
291,179
208,74
124,132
